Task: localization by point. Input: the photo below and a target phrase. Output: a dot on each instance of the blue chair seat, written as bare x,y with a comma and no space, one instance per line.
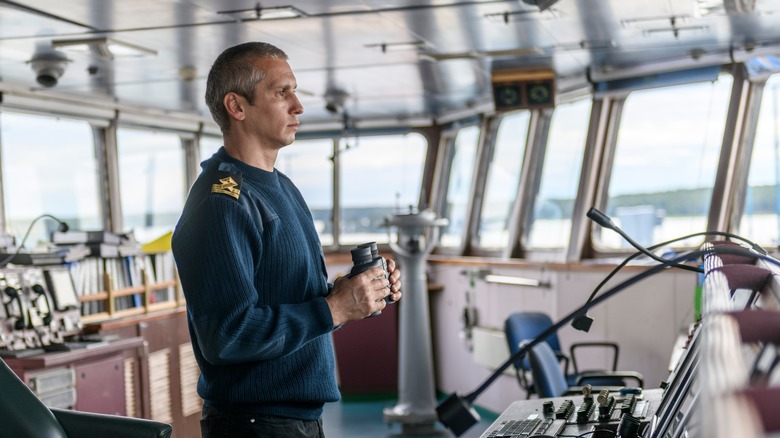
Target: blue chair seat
522,326
550,381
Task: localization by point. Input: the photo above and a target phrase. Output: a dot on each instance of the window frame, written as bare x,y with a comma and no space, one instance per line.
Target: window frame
532,180
615,103
755,91
443,174
491,128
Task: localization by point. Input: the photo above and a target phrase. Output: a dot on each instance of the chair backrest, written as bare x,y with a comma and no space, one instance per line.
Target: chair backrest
521,326
549,379
23,414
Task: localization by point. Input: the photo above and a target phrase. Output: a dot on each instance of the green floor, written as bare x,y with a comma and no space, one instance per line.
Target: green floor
347,419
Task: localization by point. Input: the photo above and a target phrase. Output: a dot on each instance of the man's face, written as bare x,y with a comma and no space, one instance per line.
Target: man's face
273,116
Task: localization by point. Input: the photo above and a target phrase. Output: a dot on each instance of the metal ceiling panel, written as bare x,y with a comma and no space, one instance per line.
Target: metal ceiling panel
393,59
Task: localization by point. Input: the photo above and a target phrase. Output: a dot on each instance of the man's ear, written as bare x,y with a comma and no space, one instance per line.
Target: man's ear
234,104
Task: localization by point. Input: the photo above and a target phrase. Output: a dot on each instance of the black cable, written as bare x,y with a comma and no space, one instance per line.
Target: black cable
659,245
617,268
63,227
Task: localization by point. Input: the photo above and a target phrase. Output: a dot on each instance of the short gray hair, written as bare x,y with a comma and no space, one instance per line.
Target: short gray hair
234,71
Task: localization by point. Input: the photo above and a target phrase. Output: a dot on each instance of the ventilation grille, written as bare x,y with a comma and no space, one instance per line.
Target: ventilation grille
160,385
189,373
130,376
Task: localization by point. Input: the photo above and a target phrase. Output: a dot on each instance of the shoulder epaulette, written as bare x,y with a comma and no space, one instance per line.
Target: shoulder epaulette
227,183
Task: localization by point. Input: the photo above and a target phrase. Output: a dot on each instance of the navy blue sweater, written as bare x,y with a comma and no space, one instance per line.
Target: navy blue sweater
254,278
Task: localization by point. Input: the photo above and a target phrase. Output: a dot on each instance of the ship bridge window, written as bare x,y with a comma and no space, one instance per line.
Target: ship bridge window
152,182
63,184
550,221
308,164
380,175
665,161
761,212
503,180
463,158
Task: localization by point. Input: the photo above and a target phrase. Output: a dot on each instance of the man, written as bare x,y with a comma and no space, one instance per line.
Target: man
259,308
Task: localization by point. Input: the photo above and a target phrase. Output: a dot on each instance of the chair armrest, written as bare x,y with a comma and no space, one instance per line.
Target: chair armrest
78,424
565,360
599,344
583,378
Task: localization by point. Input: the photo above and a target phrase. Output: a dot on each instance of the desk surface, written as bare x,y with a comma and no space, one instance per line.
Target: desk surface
645,408
48,359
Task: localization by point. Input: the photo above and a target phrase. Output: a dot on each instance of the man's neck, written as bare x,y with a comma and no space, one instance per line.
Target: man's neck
253,154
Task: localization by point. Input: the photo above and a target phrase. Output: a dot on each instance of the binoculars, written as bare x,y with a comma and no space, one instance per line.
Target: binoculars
366,256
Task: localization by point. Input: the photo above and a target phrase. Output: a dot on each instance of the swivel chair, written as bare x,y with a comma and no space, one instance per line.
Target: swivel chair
522,326
550,381
25,416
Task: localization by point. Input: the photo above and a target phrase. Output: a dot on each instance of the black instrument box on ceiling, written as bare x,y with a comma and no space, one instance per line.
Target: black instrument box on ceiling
523,89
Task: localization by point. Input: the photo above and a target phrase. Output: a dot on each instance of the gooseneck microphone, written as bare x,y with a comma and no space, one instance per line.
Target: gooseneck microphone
456,411
604,220
63,227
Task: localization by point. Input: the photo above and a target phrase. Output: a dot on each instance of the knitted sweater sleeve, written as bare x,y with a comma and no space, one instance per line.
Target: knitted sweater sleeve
215,248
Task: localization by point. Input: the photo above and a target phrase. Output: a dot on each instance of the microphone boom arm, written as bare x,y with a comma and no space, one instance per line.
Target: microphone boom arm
600,218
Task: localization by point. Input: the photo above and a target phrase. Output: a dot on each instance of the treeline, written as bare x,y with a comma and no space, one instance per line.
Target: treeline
691,202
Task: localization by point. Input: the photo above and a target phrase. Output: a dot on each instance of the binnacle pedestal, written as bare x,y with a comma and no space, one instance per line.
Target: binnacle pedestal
416,408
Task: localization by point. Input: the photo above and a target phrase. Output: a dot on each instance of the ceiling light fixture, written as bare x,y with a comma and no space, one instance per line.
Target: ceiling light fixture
103,47
652,22
674,30
587,45
397,47
475,54
527,15
270,13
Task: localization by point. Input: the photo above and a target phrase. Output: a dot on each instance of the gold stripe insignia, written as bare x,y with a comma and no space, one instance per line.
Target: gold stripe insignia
227,186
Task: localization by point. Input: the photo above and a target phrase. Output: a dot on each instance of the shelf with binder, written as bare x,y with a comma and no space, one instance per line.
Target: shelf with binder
97,298
125,301
131,301
116,287
163,304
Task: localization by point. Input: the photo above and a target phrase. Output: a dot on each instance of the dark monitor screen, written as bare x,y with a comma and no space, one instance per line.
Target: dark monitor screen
686,420
678,388
62,289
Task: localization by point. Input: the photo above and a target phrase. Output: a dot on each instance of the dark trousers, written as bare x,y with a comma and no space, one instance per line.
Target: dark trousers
218,424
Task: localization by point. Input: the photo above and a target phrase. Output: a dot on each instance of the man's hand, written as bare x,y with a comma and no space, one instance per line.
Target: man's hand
358,297
395,280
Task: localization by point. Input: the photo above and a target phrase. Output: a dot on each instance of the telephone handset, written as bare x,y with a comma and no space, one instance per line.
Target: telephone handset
21,315
45,310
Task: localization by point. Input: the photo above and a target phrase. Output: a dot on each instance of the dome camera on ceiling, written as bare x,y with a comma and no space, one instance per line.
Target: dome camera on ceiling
49,67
